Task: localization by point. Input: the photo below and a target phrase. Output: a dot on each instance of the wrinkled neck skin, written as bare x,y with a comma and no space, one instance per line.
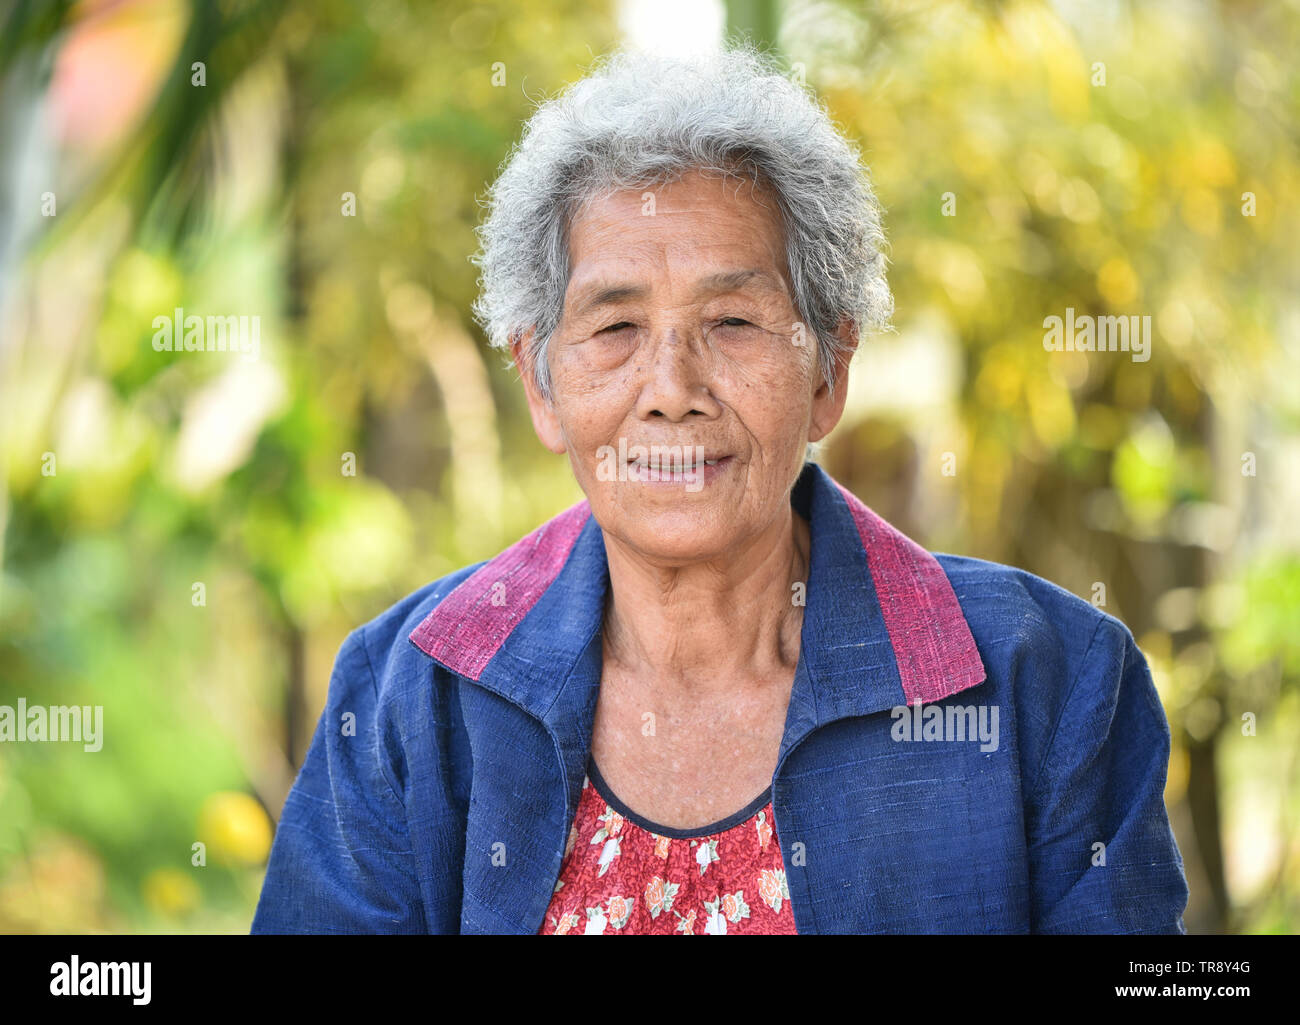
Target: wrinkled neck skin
712,625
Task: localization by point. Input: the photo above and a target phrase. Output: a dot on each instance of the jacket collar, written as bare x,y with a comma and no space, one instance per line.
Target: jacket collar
882,626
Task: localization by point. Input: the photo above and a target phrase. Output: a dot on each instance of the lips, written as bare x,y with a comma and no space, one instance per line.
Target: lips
668,464
695,476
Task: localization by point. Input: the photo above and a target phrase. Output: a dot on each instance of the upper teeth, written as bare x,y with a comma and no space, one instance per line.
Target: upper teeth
675,466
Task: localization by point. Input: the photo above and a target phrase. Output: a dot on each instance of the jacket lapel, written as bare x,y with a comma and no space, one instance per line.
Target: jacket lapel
882,628
525,627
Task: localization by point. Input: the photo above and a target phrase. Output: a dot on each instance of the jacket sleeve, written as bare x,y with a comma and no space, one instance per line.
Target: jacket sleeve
341,861
1102,781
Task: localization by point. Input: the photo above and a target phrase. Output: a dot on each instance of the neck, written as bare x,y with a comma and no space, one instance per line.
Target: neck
705,625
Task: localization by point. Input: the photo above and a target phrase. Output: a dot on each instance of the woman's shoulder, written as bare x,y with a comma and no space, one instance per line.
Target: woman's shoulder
1041,641
383,643
1003,598
457,622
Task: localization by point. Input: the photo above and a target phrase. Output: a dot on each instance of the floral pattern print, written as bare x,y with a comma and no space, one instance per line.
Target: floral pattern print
617,878
659,896
772,887
705,854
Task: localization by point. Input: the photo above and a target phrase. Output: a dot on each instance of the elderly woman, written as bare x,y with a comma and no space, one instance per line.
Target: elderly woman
720,695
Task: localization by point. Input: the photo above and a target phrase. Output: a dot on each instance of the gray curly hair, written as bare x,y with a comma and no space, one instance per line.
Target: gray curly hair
639,120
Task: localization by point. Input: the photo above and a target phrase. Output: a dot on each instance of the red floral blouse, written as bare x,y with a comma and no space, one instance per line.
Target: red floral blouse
624,874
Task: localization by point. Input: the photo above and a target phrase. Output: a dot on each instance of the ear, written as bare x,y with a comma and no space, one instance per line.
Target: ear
828,403
545,422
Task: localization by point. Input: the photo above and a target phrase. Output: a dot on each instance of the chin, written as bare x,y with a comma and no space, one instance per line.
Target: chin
680,536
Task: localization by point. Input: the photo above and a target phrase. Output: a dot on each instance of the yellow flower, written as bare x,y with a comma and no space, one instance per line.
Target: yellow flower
235,828
170,891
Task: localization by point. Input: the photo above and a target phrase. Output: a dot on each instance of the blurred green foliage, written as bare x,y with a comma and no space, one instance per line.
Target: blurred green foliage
1030,159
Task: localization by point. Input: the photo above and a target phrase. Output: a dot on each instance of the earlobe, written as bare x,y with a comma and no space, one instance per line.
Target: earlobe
828,401
546,424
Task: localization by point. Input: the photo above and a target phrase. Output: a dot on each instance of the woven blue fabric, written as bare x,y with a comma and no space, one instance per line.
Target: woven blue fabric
429,802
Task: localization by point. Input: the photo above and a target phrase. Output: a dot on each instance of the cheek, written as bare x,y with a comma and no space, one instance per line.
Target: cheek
772,393
589,377
589,418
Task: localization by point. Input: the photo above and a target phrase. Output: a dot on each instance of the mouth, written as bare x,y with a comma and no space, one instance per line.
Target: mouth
652,470
686,463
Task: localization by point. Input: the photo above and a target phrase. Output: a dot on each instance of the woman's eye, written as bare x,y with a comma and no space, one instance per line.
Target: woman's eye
734,322
614,327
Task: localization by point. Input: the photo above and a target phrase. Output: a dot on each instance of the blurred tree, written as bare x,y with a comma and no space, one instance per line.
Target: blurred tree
326,176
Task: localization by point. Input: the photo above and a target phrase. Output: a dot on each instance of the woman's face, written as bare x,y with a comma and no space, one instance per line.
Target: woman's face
679,337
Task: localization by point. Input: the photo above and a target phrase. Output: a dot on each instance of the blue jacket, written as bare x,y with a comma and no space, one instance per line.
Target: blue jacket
439,788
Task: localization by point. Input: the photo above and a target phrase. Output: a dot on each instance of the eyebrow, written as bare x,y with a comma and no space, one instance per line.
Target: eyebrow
599,294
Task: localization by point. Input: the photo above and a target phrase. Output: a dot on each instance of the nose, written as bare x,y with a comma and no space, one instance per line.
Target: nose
676,372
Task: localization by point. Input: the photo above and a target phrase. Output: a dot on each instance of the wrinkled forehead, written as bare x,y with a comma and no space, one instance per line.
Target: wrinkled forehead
705,226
